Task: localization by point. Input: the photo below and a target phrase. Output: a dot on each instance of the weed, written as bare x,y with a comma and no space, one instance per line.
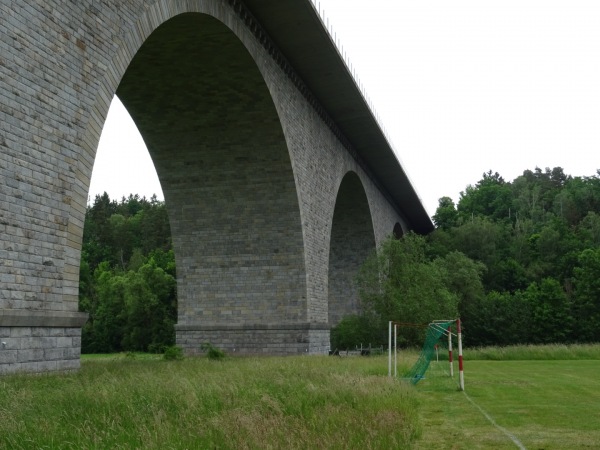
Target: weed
212,352
173,353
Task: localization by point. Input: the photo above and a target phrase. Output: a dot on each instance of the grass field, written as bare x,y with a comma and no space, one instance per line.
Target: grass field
544,404
309,402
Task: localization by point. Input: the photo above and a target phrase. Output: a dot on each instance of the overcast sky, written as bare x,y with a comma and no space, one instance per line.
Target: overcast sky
462,87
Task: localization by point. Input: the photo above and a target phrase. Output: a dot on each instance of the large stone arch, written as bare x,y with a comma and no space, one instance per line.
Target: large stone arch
352,240
263,150
211,128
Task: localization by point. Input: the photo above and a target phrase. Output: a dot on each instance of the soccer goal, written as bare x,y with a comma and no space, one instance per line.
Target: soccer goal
436,332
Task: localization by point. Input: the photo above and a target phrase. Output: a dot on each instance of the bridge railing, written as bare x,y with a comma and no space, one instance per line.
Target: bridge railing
351,69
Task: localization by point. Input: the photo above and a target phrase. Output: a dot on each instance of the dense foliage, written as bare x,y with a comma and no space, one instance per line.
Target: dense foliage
538,238
519,260
127,276
400,282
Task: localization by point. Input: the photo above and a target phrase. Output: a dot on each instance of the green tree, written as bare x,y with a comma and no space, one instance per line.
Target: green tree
490,197
534,192
446,215
150,307
587,296
398,283
355,330
486,241
502,318
104,330
464,280
551,319
127,276
588,230
97,233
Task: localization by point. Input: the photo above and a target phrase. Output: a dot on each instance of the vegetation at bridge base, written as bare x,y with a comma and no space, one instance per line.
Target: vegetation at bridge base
127,277
518,261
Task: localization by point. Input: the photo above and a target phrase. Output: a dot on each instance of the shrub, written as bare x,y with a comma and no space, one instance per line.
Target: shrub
173,353
212,352
157,348
355,330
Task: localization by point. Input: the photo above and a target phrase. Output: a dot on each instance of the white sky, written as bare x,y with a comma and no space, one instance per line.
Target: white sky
461,87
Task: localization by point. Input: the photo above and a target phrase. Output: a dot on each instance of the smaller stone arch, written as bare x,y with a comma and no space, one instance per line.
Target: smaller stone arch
352,240
398,231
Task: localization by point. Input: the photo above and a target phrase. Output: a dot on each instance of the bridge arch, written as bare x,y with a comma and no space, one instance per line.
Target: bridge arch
211,128
398,231
259,153
352,240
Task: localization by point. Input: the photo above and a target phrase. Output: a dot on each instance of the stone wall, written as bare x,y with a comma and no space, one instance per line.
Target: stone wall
39,349
292,339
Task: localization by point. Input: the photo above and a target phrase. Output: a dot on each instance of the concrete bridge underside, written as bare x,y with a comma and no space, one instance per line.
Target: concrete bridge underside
273,198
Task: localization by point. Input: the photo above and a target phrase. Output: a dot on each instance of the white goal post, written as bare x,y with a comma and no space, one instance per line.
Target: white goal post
443,327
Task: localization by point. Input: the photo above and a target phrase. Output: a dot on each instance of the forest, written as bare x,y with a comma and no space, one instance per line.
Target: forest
537,240
127,276
518,261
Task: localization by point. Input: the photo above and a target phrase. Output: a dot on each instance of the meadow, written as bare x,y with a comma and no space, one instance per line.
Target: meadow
549,400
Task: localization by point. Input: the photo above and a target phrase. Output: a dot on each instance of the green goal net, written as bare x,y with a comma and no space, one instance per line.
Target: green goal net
435,331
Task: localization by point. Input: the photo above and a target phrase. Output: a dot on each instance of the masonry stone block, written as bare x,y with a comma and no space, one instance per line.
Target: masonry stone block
30,354
8,357
53,354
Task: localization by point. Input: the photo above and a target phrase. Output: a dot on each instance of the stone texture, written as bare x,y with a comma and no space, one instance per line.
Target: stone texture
352,240
257,339
40,349
249,169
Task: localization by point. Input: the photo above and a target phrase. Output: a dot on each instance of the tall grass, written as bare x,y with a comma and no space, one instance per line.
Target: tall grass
535,352
294,402
140,401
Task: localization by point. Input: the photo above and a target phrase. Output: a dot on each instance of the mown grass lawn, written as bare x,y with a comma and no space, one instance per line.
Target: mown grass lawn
306,402
544,404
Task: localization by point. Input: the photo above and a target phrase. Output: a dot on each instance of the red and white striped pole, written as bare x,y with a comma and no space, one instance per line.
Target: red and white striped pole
395,351
450,350
461,376
390,349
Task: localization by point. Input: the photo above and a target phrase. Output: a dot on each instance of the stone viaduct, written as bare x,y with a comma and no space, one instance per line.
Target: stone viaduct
277,177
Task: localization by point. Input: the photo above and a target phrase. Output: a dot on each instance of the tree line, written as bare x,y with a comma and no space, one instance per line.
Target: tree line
519,262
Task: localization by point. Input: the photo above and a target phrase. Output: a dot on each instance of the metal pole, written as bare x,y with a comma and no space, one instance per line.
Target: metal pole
390,349
395,350
461,376
450,350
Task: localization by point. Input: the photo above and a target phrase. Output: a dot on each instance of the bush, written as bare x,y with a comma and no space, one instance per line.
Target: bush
212,352
173,353
157,348
352,331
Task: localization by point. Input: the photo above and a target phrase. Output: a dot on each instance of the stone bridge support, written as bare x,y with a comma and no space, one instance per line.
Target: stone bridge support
271,208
